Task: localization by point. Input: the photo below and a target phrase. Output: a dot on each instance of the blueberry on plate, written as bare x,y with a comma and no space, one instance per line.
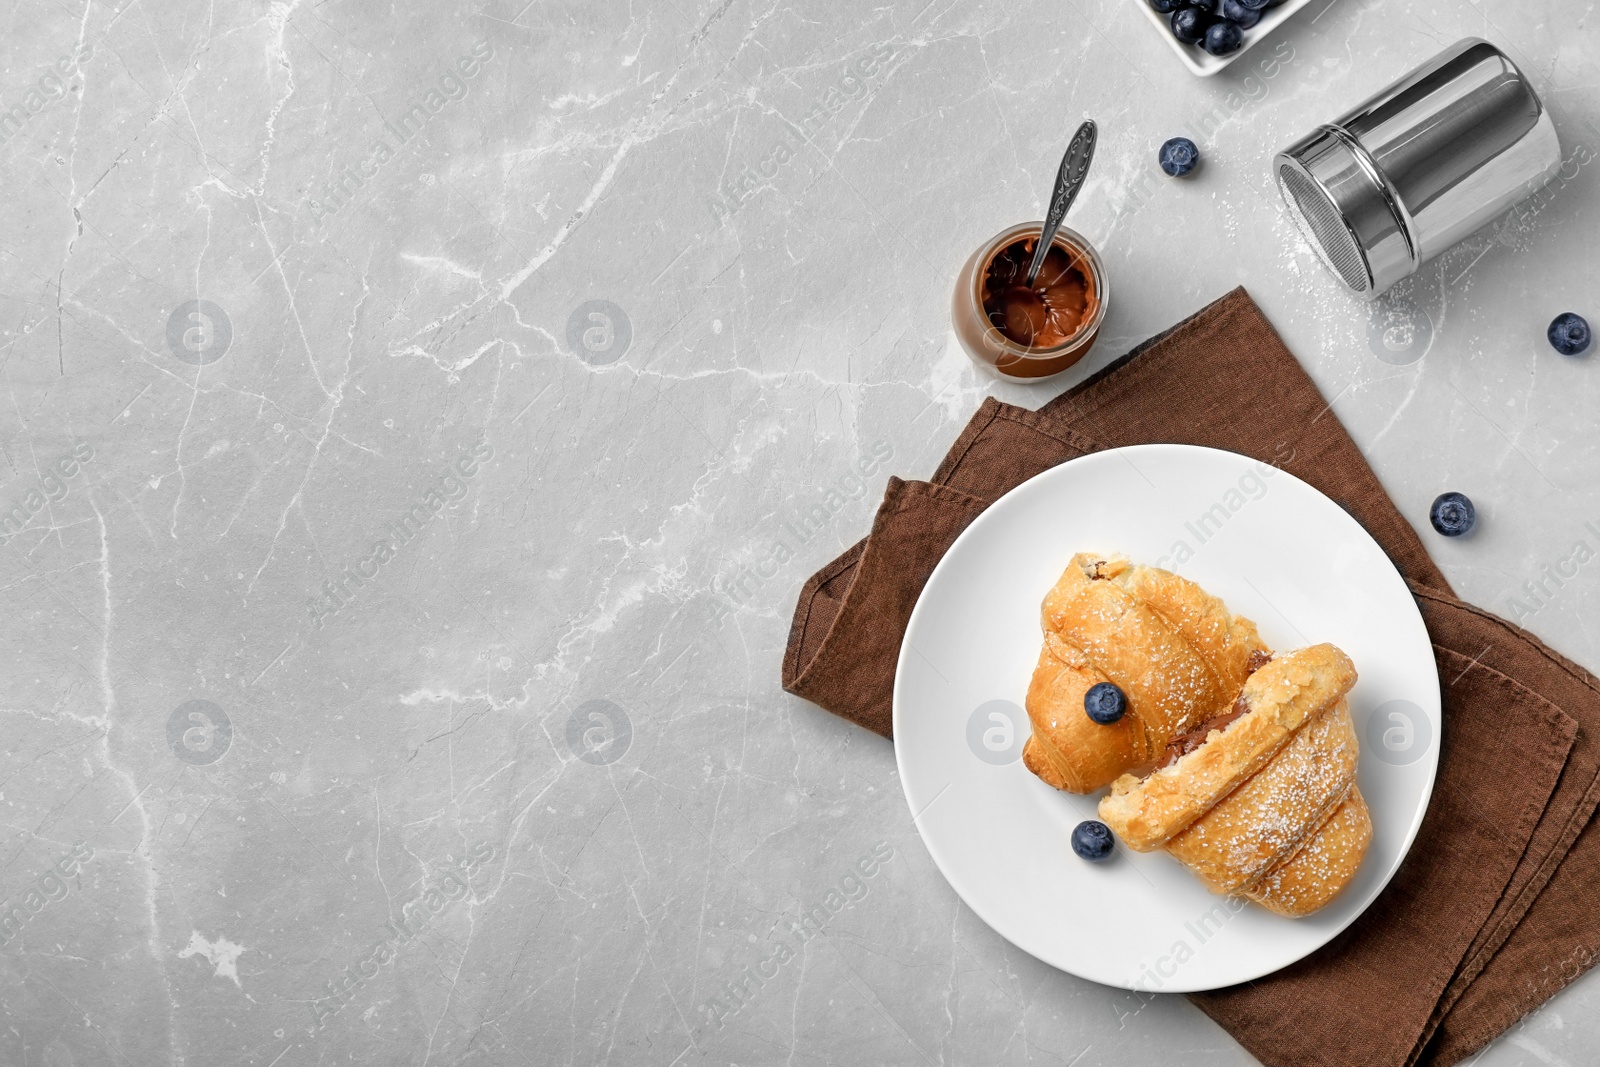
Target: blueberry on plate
1258,5
1091,840
1179,156
1165,7
1189,24
1452,514
1222,38
1210,7
1569,333
1234,11
1104,703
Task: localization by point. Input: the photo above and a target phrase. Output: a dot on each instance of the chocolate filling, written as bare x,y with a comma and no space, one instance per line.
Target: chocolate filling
1186,743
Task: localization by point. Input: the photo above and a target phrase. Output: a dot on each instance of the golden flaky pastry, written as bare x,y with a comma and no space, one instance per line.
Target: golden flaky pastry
1175,650
1262,802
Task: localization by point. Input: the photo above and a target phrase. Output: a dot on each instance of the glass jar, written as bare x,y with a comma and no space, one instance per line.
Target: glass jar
979,328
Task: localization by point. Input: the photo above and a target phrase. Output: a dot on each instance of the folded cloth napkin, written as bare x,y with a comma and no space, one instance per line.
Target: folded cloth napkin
1492,911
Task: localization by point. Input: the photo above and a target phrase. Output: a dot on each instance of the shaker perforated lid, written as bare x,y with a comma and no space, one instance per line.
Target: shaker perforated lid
1415,168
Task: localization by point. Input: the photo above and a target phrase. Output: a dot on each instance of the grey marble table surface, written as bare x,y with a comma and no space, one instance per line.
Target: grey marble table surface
417,421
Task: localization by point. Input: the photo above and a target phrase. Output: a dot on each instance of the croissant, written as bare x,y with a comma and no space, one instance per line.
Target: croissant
1177,653
1260,802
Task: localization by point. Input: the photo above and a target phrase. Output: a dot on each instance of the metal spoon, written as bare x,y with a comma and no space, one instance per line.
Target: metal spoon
1069,179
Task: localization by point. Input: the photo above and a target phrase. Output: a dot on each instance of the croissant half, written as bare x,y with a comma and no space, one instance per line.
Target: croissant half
1175,650
1274,703
1266,805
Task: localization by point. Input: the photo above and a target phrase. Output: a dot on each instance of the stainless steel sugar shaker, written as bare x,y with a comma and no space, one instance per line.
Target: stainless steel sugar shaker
1420,165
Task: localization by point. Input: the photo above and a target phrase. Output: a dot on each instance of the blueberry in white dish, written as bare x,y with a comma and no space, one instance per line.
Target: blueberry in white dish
1222,38
1569,334
1105,703
1237,12
1452,514
1179,156
1091,840
1189,24
1259,5
1165,7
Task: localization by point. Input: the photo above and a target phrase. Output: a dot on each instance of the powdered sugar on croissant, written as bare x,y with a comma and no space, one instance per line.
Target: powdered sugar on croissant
1264,805
1177,653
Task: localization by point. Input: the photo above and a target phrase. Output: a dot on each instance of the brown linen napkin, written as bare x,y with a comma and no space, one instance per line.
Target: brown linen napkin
1546,930
1487,917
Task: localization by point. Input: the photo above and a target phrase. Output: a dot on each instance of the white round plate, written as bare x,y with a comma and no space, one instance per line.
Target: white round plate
1278,552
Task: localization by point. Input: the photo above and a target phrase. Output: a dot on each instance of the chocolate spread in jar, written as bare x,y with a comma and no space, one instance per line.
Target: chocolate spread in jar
1048,313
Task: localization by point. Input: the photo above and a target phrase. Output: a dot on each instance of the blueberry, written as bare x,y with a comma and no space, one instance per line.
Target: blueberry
1165,7
1235,11
1091,840
1189,24
1569,333
1222,38
1452,514
1179,156
1257,5
1210,7
1104,703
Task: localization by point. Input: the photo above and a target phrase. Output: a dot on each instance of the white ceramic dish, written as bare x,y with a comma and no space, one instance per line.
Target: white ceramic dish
1204,63
1278,552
